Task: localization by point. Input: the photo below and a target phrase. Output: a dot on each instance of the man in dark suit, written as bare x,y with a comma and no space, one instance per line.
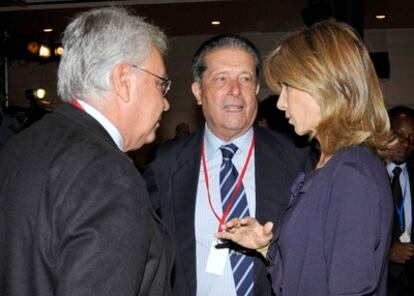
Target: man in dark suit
187,178
75,216
401,172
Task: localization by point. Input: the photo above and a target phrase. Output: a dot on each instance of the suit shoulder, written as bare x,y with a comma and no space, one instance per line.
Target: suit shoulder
280,144
278,140
275,135
174,147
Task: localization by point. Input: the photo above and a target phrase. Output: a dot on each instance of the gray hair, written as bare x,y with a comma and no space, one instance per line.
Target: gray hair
94,42
218,42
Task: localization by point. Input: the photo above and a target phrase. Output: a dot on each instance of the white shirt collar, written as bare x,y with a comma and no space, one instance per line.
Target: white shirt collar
213,143
107,125
391,166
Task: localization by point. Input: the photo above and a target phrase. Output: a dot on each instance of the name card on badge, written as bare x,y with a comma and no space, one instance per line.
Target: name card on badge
217,259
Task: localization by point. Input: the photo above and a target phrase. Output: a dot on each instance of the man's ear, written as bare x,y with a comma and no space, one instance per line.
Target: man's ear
121,80
196,89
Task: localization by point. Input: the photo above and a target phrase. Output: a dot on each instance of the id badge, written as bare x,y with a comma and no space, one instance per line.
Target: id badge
217,259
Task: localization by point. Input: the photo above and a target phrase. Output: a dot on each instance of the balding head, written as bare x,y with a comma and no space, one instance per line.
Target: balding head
402,125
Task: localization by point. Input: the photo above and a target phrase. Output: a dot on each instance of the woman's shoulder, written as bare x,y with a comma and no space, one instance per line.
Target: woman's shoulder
357,154
356,162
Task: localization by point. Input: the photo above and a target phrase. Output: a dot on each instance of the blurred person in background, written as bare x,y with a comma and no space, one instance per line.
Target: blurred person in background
401,173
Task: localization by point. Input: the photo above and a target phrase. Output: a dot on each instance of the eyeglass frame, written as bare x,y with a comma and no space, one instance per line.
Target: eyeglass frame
403,139
165,82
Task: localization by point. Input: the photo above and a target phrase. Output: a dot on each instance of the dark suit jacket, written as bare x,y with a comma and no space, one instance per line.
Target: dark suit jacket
403,274
75,216
172,180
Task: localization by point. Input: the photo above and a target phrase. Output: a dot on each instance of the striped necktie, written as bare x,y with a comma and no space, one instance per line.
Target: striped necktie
242,265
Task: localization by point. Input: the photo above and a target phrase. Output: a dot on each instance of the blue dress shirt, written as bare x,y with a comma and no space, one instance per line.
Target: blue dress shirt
206,224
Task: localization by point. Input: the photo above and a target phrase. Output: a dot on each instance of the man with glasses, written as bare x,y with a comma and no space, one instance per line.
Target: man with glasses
165,83
75,216
191,179
401,172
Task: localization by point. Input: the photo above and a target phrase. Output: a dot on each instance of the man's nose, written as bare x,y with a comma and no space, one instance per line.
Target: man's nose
234,87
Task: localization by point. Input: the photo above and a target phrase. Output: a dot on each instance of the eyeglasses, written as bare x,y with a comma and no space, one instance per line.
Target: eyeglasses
405,140
165,82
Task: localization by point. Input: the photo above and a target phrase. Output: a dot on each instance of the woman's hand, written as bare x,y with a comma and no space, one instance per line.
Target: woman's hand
248,233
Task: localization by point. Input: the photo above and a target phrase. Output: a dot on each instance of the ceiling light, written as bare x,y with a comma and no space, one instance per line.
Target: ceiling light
33,47
47,30
58,51
39,93
215,23
44,51
35,93
380,16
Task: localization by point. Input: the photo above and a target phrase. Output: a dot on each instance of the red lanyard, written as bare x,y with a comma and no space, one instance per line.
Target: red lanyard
238,185
77,104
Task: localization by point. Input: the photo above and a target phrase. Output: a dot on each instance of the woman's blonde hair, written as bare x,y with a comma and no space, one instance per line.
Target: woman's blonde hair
330,62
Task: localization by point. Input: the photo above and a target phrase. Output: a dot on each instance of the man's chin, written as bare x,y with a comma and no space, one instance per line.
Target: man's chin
399,159
150,138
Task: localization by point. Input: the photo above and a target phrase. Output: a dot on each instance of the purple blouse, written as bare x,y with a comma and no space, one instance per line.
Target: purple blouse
333,238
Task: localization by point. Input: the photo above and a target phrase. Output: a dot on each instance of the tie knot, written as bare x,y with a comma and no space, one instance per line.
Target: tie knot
227,151
396,171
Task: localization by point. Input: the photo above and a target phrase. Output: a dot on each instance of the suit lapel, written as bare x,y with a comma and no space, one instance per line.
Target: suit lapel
184,186
410,169
268,178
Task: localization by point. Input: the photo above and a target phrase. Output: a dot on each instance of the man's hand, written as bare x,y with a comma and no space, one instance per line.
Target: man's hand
401,252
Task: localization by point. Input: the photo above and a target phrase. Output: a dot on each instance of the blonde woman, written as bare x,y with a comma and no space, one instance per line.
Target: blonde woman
334,237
